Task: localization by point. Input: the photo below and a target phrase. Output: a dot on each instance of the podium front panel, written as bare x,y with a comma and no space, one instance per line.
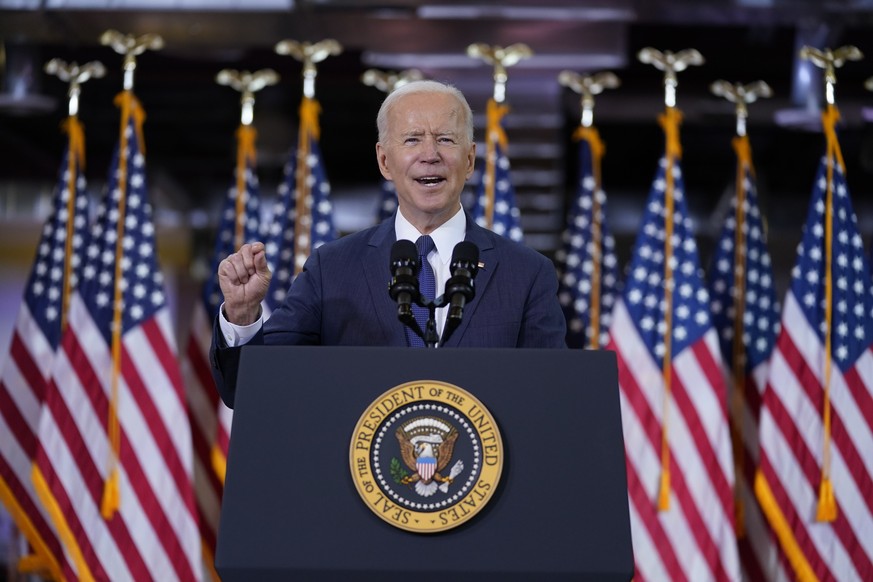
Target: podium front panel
291,509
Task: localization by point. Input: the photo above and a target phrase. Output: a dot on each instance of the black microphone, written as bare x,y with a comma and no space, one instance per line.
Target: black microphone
459,288
404,278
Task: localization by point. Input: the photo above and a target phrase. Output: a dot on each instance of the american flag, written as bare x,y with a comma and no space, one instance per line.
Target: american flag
26,371
303,214
210,418
494,206
672,392
587,263
114,462
747,332
815,480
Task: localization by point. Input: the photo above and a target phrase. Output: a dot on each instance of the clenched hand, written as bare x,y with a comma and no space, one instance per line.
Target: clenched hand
244,278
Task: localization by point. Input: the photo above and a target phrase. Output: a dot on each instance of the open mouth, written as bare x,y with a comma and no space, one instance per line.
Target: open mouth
430,180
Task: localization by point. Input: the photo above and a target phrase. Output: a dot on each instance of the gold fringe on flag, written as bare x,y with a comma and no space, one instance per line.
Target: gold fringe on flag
827,504
71,544
130,108
219,462
783,530
669,121
43,561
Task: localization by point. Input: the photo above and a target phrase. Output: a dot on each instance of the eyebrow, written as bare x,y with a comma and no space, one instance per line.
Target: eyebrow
417,132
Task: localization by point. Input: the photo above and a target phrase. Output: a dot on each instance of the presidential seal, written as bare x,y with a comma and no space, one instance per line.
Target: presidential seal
426,456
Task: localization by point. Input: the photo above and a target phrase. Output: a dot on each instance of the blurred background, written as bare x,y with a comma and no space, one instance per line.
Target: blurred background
191,120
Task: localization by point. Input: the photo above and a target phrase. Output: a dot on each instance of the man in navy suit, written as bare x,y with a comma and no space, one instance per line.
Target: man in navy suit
341,297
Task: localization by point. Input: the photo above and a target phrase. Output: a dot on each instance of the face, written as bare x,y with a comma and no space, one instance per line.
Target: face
428,156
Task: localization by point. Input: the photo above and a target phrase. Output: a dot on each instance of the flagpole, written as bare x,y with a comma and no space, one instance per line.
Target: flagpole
130,47
829,61
45,560
247,84
309,55
588,86
671,118
500,58
75,76
741,96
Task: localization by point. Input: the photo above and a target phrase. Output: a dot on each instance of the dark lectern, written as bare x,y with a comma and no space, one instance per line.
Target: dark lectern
291,510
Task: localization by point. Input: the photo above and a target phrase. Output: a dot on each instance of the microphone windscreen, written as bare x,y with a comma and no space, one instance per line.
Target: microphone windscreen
466,252
403,251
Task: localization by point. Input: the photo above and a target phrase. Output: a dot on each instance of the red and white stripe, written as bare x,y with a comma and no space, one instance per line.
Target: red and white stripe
760,555
791,435
222,442
22,388
694,539
154,534
207,430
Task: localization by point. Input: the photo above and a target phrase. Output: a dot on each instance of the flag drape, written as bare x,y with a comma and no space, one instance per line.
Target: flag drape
747,329
494,206
114,463
303,214
815,479
27,368
387,200
674,414
587,262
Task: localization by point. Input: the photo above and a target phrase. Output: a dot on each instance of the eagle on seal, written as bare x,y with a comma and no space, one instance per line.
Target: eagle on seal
426,446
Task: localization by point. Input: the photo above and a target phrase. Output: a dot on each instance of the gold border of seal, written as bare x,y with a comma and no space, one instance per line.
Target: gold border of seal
477,415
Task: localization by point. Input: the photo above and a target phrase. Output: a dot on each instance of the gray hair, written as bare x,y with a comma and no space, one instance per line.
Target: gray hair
418,87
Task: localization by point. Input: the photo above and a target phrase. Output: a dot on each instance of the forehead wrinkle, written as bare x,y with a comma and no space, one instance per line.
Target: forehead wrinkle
448,115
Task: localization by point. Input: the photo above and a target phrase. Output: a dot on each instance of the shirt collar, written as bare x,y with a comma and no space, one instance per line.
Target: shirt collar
445,237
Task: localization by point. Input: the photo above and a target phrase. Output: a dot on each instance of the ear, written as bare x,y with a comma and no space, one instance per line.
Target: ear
382,160
471,160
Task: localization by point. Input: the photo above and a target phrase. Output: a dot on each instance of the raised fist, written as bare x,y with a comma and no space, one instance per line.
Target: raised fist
244,278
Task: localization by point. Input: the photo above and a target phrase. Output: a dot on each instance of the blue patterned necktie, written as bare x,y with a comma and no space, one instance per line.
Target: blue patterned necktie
427,287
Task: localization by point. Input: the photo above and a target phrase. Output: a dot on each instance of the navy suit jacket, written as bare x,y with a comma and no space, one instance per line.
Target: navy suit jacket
341,299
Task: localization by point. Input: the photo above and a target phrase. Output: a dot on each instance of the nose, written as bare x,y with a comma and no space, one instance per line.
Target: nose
430,151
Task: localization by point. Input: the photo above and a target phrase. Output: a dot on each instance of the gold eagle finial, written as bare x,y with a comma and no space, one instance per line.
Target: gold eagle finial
75,75
131,47
500,58
309,54
588,86
830,61
671,64
741,95
388,81
248,84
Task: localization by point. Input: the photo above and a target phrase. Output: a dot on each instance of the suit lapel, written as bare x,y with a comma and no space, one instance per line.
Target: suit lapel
488,258
377,272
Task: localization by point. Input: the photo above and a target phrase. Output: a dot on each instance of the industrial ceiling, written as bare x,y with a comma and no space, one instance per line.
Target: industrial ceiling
191,119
